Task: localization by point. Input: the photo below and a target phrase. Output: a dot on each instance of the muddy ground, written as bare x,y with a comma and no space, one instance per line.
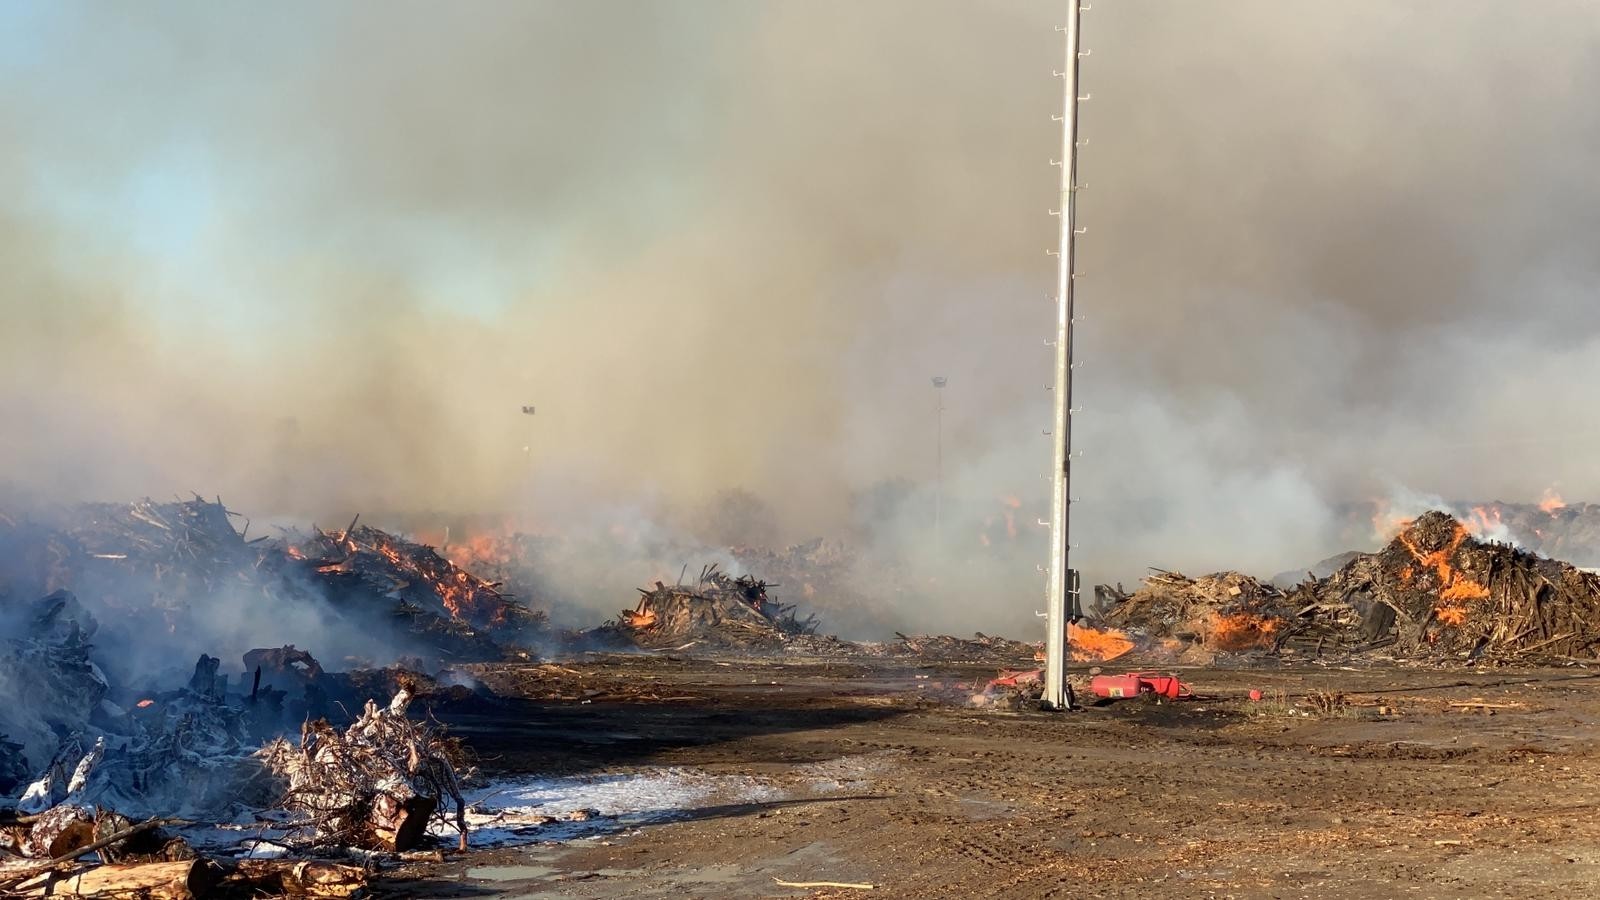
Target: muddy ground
1392,790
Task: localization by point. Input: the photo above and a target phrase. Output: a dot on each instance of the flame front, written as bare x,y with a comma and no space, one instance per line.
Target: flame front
1094,645
1241,631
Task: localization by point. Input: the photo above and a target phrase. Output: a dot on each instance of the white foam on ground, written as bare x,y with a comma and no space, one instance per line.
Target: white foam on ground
520,810
537,809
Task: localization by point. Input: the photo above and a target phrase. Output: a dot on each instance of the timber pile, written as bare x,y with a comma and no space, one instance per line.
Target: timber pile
1222,612
1439,592
852,593
521,564
47,663
413,573
978,648
160,566
717,610
374,785
1435,592
149,567
72,851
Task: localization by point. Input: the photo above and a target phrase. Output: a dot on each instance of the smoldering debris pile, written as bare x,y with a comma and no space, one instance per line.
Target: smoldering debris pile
94,735
377,785
831,578
433,599
1435,592
716,611
978,648
1226,611
1451,594
183,568
77,852
561,572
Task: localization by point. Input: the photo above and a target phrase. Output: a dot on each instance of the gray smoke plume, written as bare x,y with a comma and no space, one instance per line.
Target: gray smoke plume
316,257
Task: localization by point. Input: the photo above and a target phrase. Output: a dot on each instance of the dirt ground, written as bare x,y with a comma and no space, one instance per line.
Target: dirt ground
1416,782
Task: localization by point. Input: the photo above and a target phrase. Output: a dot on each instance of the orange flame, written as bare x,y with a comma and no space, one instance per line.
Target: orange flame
1094,645
1464,590
1241,631
641,618
1551,502
145,704
482,551
1455,589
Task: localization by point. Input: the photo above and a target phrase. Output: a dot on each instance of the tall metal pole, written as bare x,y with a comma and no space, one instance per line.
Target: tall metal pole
939,381
1055,676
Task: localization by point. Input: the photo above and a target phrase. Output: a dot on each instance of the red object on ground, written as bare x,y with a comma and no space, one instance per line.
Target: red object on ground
1116,686
1012,679
1135,683
1255,694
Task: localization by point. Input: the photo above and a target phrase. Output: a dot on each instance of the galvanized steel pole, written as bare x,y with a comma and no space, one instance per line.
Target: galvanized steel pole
1056,695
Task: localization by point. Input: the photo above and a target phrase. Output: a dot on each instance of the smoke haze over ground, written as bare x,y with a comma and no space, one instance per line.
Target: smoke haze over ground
315,257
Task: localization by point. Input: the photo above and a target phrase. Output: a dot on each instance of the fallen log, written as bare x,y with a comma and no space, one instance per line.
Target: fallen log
59,831
183,880
300,878
58,862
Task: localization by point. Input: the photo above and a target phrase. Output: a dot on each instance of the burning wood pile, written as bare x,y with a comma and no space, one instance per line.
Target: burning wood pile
517,562
181,567
1435,592
718,610
1226,612
1441,592
434,598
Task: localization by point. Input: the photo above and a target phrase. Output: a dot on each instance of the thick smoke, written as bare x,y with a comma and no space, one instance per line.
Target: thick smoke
316,257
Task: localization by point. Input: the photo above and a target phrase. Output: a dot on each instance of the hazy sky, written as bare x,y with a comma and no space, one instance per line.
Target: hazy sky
315,256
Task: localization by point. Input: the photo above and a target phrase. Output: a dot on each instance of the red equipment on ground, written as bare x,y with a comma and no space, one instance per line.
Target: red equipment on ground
1134,684
1014,679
